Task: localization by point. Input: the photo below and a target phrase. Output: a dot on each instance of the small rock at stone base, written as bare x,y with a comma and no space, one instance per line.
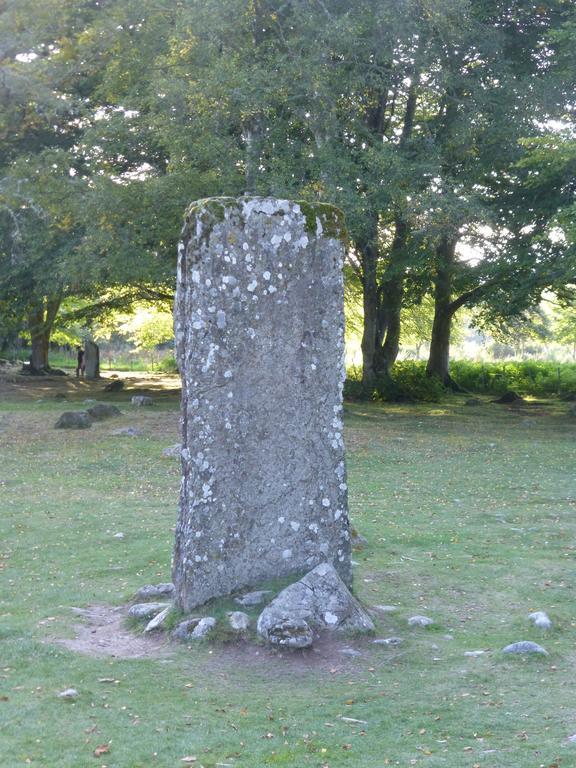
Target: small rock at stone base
253,598
525,646
146,610
141,400
320,601
74,420
184,630
173,452
203,628
540,619
154,591
103,411
60,396
239,621
158,620
420,621
127,431
69,693
291,633
89,401
474,654
358,541
387,641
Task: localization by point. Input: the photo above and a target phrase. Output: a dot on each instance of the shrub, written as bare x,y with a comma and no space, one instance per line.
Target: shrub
408,383
167,365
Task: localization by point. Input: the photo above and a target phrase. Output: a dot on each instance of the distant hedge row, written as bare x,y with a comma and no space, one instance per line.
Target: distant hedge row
409,381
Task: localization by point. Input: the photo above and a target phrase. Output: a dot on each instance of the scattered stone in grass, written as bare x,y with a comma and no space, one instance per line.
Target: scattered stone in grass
69,694
89,401
60,396
253,598
103,411
239,621
146,610
474,654
115,386
154,591
142,400
159,620
184,630
525,646
540,619
572,411
509,397
350,652
385,608
473,401
572,739
172,452
203,628
420,621
127,432
387,641
74,420
118,535
448,637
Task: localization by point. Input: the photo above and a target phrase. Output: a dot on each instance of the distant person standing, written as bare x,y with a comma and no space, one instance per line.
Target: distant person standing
80,362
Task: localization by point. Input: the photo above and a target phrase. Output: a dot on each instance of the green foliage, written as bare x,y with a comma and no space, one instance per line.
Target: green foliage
533,378
167,364
408,383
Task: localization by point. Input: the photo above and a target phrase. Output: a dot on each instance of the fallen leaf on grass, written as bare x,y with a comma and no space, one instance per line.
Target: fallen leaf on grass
102,750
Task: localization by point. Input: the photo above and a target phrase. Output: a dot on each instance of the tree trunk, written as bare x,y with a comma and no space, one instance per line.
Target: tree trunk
369,256
40,323
439,358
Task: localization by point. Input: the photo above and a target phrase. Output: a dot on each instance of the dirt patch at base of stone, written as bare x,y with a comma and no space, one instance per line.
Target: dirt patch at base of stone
103,633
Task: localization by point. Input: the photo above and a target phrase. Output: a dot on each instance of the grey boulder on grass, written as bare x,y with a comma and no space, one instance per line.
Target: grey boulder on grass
141,400
319,601
74,420
103,411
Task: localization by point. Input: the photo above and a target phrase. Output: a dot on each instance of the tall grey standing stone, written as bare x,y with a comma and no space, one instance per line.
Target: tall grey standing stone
260,345
91,360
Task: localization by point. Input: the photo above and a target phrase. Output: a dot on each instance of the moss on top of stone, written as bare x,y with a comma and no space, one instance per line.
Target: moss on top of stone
212,210
213,206
331,218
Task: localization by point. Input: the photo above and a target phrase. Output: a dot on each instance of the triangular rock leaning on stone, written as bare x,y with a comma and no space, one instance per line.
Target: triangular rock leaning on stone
321,600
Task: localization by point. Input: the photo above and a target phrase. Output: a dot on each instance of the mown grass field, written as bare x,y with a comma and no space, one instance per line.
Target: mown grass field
470,517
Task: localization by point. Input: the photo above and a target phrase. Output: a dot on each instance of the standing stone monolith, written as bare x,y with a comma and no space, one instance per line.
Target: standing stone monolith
260,345
91,360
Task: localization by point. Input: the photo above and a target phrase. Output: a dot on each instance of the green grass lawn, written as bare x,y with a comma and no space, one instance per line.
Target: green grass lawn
470,517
